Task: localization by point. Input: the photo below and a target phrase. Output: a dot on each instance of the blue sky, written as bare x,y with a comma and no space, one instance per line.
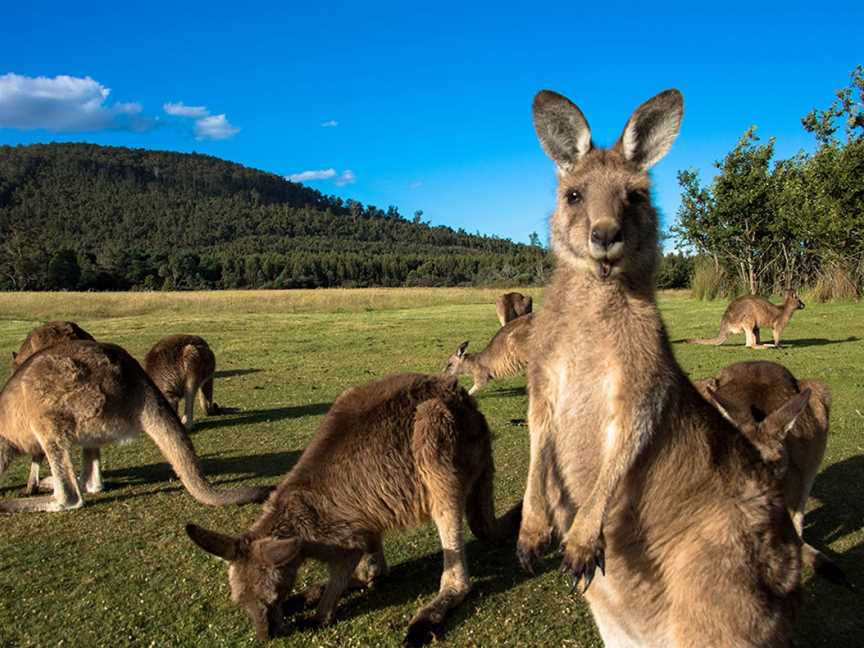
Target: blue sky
419,106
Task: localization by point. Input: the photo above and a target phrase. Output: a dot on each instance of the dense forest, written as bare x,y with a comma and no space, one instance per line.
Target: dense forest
88,217
764,225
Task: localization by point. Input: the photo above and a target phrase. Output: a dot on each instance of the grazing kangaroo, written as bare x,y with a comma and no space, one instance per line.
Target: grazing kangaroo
90,394
630,467
511,305
183,366
749,313
44,336
747,393
505,355
388,455
40,338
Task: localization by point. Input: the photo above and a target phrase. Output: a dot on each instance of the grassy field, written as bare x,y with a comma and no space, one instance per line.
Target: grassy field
120,571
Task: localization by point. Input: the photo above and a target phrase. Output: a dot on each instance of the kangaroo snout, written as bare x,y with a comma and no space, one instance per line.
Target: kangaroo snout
606,240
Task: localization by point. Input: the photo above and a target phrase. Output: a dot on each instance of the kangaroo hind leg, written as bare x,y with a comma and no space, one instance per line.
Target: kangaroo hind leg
434,431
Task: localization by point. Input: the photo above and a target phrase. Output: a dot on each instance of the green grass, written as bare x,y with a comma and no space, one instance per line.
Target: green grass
120,571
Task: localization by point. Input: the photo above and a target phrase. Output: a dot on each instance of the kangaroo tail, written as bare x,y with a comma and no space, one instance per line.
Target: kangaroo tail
161,424
480,509
825,567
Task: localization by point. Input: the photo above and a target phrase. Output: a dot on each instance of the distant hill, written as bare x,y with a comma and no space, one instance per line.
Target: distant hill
82,216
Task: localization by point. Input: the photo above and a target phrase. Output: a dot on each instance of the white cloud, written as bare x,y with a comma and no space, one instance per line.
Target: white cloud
179,109
347,177
332,123
207,126
306,176
63,104
340,179
216,127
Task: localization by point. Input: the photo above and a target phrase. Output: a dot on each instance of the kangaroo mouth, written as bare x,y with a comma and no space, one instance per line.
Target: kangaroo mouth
604,268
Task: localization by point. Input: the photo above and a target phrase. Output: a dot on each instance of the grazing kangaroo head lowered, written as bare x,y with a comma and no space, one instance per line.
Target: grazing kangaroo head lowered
388,455
46,335
455,361
604,223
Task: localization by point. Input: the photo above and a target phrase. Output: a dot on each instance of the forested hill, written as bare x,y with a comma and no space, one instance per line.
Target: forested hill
82,216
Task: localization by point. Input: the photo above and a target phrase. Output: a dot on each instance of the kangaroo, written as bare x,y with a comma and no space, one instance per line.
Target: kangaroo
505,355
629,466
44,336
748,314
388,455
511,305
40,338
90,394
747,393
181,366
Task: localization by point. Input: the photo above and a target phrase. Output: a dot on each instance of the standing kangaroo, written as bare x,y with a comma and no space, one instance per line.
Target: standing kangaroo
747,393
90,394
41,338
511,305
183,366
388,455
630,467
749,313
506,354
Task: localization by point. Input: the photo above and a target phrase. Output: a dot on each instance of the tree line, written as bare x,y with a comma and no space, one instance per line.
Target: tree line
764,225
88,217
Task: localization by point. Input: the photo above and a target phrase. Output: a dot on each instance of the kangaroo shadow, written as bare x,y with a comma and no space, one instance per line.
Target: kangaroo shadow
505,392
241,417
841,513
229,373
805,342
493,568
273,464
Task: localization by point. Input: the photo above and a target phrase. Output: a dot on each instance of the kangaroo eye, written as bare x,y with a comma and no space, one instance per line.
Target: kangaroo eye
573,197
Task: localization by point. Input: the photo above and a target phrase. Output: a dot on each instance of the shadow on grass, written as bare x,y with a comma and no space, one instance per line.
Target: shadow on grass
273,464
833,616
247,417
805,342
494,569
503,393
228,373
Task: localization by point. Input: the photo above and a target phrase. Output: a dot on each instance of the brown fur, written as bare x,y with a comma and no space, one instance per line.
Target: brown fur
183,366
630,467
89,394
747,394
388,455
44,336
506,354
40,338
750,313
511,305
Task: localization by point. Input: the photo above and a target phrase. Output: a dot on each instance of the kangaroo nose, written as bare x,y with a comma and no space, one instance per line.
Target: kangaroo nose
605,236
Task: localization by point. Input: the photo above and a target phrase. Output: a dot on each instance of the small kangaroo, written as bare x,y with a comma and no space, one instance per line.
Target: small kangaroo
182,366
748,314
506,354
40,338
630,467
511,305
44,336
90,394
747,394
389,455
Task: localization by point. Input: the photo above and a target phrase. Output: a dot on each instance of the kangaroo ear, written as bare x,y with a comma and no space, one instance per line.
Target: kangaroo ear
276,552
561,128
727,408
651,129
781,420
461,350
217,544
